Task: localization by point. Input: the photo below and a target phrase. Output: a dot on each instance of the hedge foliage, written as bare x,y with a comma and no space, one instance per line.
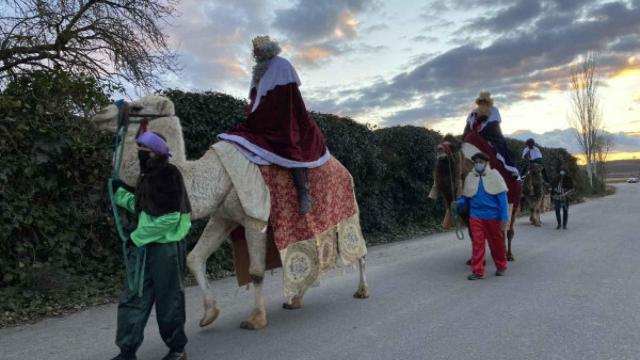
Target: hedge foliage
56,235
58,248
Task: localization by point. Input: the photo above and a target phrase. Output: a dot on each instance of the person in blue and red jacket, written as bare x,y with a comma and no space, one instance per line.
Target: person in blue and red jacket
485,195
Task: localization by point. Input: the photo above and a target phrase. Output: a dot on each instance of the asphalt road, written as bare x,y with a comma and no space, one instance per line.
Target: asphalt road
570,294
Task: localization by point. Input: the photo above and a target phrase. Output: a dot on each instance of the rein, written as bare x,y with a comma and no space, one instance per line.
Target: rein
135,275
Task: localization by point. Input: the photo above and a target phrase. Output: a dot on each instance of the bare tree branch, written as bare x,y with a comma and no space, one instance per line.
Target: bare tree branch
113,40
586,117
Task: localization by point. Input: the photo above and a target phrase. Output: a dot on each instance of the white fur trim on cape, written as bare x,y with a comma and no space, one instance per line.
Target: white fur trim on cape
265,155
280,72
492,182
493,117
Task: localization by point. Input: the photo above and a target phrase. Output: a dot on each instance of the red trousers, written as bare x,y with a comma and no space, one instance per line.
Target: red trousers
491,232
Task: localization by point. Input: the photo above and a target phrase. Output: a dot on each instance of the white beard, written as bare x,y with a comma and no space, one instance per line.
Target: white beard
259,69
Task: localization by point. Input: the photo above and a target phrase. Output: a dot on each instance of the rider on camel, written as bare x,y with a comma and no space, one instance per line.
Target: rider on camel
278,130
532,154
482,130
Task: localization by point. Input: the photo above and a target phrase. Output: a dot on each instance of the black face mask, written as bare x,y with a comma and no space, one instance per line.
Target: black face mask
143,157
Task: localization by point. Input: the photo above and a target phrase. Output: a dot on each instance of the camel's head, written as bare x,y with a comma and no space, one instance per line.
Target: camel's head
162,120
157,105
449,146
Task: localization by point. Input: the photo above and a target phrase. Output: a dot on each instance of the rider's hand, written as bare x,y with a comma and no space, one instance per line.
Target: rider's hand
504,225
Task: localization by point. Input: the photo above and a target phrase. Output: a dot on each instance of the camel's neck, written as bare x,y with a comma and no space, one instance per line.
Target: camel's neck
205,179
170,128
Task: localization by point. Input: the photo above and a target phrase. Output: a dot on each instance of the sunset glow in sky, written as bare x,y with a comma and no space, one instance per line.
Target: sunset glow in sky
423,62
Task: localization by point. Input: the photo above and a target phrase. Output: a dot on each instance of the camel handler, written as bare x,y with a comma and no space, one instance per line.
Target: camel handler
561,189
485,194
532,154
161,203
278,129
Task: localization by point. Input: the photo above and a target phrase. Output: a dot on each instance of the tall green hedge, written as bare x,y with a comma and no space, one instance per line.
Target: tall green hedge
58,248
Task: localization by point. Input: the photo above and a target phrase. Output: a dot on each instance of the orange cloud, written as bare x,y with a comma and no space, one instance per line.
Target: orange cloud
633,70
313,54
232,66
347,26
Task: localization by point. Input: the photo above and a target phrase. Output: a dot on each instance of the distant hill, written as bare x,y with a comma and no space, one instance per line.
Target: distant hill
623,168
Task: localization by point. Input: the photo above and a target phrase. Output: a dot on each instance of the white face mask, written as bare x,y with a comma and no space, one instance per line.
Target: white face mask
480,167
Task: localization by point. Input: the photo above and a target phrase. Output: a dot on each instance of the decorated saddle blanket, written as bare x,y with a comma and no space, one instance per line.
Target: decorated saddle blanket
304,245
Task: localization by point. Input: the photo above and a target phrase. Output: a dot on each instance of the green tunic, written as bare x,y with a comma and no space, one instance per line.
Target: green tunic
163,229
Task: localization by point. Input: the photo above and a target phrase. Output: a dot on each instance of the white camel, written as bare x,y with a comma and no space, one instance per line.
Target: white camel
212,195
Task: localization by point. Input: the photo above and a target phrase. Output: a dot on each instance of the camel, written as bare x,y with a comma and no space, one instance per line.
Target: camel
450,162
212,196
533,193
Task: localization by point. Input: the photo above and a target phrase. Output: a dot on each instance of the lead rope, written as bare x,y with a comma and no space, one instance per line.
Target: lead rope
135,276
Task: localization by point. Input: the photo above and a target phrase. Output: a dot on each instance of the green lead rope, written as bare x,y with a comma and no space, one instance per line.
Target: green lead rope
135,275
454,209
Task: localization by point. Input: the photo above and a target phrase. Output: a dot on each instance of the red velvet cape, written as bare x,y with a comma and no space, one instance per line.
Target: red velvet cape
282,127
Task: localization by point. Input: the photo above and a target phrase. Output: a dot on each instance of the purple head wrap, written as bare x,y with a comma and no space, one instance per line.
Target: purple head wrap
154,142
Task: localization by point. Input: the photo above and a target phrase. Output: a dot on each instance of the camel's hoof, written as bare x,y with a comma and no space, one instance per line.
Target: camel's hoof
510,258
210,315
362,293
295,304
254,323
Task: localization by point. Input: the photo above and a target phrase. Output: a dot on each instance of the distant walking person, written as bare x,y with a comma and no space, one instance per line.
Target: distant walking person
532,154
561,188
485,194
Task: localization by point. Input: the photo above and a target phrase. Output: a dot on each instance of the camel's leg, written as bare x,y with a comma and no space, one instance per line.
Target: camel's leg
295,303
212,237
363,287
538,211
257,244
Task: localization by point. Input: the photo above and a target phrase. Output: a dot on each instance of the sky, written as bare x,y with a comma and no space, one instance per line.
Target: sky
423,63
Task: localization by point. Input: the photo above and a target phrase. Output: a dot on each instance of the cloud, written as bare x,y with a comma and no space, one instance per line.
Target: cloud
310,20
374,28
318,30
423,38
213,38
520,65
511,18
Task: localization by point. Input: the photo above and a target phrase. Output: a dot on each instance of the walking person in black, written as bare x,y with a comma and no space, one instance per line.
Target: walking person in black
561,188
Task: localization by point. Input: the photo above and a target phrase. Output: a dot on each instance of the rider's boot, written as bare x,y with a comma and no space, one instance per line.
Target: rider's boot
301,182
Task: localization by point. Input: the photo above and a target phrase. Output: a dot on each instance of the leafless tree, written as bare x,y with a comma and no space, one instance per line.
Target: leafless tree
586,118
604,145
111,40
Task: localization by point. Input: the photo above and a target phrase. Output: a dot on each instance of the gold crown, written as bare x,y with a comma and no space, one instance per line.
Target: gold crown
261,41
485,97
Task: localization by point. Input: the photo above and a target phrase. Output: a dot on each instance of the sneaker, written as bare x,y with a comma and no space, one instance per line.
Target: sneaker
500,272
173,355
475,277
558,227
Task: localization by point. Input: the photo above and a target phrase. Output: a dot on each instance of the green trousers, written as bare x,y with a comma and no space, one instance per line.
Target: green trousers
163,286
